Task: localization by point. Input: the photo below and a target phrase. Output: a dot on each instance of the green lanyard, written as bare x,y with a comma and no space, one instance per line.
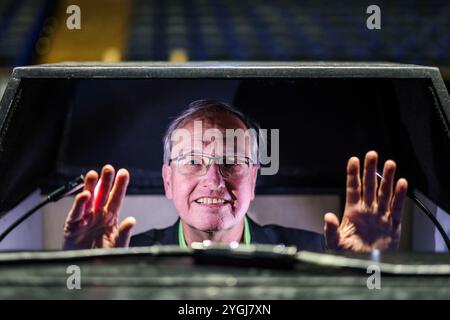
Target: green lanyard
182,242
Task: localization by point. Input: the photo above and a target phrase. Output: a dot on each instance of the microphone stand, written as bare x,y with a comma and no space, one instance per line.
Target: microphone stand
67,189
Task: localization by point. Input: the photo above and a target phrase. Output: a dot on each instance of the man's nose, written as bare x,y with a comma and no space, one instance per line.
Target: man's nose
213,177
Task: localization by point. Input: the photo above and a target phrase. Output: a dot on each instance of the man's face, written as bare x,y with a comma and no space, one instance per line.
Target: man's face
192,194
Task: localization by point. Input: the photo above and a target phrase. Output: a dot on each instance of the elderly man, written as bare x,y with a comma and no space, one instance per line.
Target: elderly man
212,186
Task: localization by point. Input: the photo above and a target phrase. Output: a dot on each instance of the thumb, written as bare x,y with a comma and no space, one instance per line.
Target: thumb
331,230
125,232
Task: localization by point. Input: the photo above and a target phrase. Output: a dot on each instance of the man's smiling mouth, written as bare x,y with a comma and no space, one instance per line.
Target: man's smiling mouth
206,200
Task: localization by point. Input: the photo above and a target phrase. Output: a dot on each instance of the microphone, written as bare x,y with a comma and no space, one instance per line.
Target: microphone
65,190
428,213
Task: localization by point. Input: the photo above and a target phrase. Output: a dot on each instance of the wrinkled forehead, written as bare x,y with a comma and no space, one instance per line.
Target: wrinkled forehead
215,134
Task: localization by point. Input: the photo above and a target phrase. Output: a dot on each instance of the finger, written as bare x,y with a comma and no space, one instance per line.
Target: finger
398,201
331,230
370,178
353,191
104,186
77,212
90,181
386,186
125,232
118,191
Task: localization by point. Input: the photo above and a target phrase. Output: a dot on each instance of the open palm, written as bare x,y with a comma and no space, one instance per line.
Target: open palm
372,215
93,220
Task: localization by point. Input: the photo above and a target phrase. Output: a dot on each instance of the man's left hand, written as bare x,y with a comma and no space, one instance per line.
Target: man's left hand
372,216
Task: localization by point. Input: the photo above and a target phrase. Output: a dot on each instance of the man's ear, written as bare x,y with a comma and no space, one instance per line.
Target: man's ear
167,178
253,177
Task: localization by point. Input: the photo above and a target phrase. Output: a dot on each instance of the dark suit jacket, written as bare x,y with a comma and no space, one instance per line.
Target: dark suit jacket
269,234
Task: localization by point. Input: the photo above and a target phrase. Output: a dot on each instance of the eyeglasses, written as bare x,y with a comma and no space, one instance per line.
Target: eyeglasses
198,164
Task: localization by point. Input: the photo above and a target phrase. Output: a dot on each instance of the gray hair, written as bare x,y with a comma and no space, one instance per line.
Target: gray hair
200,108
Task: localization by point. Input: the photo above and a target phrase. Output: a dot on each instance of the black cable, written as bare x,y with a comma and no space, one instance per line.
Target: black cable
433,219
22,218
429,215
59,193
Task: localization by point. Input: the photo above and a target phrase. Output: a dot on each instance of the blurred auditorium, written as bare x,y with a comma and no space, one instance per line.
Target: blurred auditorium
35,32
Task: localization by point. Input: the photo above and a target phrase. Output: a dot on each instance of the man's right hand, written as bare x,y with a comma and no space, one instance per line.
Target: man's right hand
93,220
